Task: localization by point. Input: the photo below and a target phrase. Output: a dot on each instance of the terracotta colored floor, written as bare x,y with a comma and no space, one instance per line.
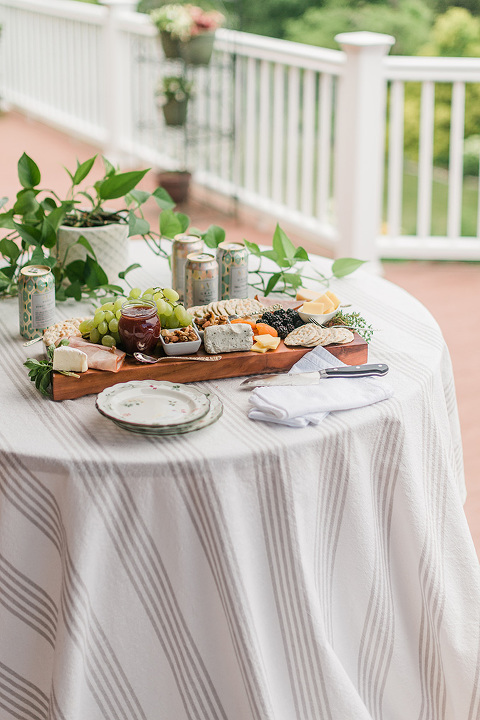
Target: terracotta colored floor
442,287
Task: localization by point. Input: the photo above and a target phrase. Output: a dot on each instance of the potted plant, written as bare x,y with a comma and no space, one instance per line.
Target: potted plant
78,242
175,90
187,31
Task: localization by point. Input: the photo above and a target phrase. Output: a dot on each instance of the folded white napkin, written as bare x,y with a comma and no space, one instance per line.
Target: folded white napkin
298,406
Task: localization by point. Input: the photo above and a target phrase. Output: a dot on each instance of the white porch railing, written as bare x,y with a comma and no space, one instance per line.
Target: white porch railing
292,130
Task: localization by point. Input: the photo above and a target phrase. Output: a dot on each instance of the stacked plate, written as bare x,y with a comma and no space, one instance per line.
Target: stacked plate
151,407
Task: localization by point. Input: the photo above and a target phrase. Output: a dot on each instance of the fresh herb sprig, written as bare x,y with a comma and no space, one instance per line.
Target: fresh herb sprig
354,321
41,371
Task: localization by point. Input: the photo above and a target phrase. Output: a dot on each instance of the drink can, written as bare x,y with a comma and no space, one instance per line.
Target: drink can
201,279
183,245
36,300
232,261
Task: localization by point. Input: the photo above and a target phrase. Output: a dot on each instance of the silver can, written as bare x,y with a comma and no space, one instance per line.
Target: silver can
232,261
183,245
36,300
201,279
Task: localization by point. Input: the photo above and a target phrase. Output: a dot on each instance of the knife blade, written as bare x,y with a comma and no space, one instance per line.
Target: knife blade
313,378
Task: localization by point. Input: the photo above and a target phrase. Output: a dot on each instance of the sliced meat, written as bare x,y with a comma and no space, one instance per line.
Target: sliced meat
99,357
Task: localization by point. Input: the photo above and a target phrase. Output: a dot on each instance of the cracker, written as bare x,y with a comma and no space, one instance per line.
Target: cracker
342,336
302,335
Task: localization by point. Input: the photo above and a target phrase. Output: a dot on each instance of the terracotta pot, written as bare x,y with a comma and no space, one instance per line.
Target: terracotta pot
198,50
176,183
170,46
175,112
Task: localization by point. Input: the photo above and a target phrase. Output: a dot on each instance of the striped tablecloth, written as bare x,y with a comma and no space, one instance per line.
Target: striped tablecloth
247,571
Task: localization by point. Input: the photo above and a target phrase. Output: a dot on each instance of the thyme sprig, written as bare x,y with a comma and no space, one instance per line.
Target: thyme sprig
354,321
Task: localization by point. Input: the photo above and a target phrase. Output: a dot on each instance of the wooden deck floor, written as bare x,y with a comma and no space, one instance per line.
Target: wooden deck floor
451,291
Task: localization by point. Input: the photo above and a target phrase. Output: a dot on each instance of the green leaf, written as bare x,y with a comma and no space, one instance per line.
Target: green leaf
301,254
163,199
213,236
48,235
169,224
28,172
74,290
137,225
3,201
282,244
39,258
273,280
26,203
252,248
117,289
95,275
30,234
82,240
9,249
6,220
345,266
109,168
184,221
75,270
4,280
82,170
140,196
134,266
57,216
272,255
119,185
293,279
45,383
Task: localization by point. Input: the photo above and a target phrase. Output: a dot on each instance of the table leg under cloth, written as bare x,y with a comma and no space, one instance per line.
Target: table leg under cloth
246,591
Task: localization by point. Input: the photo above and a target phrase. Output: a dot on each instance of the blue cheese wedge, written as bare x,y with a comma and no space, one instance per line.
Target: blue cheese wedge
69,359
228,338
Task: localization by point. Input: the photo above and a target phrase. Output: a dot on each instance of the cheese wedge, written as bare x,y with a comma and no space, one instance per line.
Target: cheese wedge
306,294
256,347
267,341
69,359
318,308
333,298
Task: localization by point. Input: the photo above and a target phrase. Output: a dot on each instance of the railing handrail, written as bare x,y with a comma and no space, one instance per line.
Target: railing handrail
79,10
435,69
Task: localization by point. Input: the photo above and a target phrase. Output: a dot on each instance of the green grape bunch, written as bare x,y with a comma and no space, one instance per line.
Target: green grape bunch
103,327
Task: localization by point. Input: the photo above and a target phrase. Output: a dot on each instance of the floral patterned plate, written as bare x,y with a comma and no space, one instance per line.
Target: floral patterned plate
153,403
214,414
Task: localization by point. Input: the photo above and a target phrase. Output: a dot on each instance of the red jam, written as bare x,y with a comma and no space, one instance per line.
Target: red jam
139,326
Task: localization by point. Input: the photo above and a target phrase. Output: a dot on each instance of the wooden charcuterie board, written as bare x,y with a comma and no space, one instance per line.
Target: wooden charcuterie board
231,365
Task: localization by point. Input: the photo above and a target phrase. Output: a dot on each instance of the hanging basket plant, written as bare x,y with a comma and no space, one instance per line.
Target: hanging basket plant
174,91
187,31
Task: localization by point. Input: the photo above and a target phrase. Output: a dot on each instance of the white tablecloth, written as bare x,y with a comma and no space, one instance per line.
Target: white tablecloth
247,571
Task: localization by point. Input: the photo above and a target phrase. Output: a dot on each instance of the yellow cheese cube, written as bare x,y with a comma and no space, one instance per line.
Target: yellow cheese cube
259,348
305,294
333,298
318,308
268,341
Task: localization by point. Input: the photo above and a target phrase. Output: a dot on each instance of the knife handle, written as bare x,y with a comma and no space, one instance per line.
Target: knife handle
357,370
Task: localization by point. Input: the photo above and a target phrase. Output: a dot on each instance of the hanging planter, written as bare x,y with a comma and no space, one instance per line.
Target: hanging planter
176,183
175,112
198,50
187,31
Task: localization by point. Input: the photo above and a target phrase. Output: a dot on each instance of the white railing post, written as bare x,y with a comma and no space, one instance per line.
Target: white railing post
359,145
114,81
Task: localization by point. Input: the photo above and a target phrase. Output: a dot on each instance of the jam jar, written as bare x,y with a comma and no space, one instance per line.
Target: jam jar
139,326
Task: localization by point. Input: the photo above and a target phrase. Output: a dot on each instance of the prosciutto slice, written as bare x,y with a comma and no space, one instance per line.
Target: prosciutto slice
99,357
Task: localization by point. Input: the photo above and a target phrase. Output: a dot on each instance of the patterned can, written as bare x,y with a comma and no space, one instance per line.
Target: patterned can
201,279
183,245
36,300
232,261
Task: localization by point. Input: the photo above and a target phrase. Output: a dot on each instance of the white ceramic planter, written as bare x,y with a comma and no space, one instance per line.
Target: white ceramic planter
109,242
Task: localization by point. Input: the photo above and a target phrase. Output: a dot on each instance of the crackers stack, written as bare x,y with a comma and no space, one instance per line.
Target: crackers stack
311,335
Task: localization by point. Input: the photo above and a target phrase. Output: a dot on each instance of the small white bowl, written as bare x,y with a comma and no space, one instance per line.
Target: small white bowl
182,348
320,319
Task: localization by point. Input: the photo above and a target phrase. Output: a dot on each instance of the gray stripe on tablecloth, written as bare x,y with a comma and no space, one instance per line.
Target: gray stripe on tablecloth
431,668
13,602
304,664
204,507
18,695
123,521
55,710
41,597
73,591
376,643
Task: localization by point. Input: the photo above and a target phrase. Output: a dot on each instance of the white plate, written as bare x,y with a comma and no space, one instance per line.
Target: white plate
152,403
214,414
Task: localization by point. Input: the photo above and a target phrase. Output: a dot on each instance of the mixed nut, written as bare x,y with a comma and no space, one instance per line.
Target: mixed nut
184,334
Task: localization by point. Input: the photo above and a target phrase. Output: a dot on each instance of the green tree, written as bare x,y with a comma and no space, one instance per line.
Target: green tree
409,21
456,33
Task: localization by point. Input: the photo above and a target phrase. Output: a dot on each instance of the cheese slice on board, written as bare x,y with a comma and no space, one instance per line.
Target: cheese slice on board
69,359
305,294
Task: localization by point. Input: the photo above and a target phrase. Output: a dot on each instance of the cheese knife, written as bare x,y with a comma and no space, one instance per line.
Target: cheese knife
313,378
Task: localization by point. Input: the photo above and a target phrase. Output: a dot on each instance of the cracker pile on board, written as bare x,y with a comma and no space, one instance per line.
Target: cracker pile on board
226,308
311,335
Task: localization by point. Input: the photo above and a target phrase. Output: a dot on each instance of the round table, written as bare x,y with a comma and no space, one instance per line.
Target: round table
247,570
